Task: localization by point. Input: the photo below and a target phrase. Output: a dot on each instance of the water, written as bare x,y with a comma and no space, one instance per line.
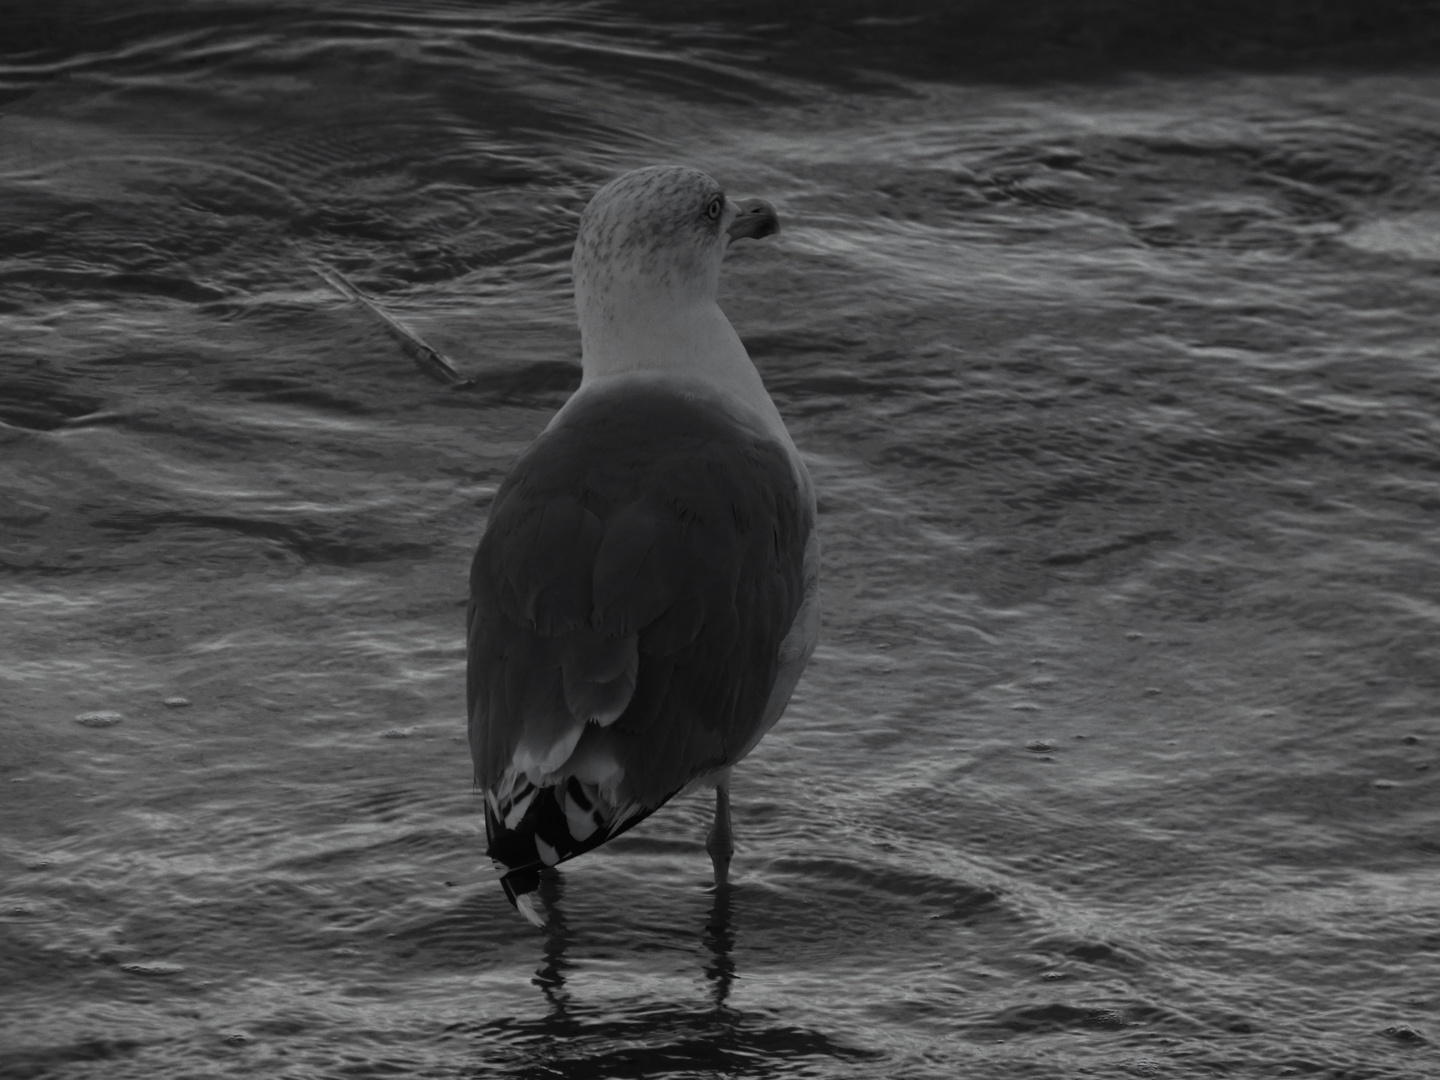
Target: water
1118,754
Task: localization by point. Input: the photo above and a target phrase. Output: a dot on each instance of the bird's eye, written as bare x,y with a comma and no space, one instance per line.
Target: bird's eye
715,207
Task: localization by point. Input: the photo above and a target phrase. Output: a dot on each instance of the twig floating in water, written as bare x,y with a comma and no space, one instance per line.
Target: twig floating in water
431,361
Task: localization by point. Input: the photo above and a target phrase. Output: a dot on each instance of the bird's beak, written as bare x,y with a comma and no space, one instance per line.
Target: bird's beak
756,218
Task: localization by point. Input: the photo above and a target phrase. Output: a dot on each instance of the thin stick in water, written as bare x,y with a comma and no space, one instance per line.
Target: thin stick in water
431,361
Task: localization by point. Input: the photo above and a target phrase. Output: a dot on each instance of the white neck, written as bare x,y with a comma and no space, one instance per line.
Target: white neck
692,340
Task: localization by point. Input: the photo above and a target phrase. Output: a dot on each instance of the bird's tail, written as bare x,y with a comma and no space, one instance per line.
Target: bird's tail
531,827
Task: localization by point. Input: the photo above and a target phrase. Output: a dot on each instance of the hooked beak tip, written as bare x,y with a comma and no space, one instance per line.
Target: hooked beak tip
756,218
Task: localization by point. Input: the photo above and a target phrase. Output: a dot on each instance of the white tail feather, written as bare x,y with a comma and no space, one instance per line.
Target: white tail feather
525,904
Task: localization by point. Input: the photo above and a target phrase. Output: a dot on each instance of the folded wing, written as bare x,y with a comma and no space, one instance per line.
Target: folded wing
642,566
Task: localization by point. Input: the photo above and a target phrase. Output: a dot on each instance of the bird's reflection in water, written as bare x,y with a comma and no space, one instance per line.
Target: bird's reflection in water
718,938
582,1038
551,976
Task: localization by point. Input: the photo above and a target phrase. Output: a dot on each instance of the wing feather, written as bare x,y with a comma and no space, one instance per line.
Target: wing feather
642,565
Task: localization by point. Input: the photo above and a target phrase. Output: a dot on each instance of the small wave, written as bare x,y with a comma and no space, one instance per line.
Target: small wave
312,542
1408,236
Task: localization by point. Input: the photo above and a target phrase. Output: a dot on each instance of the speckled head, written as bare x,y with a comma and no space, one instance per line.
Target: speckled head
658,235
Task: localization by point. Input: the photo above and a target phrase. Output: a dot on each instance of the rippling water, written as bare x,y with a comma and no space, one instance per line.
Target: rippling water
1117,756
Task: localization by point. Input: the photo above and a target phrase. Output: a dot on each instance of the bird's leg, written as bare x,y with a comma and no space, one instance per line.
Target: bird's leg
719,843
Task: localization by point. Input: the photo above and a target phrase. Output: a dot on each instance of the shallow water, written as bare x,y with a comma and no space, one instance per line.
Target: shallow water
1118,754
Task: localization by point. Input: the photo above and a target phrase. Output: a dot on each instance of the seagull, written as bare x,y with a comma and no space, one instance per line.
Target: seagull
646,591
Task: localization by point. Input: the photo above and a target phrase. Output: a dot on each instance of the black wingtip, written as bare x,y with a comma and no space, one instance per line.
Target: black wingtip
522,889
541,839
518,883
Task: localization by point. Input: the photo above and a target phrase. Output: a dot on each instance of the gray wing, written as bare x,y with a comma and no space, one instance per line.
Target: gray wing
641,567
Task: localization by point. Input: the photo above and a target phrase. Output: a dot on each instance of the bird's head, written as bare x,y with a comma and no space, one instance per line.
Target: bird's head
656,236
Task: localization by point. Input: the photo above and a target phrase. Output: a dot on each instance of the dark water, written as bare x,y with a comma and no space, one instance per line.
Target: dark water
1118,755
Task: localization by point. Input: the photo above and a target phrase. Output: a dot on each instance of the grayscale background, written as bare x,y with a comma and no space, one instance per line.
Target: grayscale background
1109,332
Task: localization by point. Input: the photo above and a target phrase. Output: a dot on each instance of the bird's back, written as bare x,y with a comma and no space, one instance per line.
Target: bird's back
642,567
